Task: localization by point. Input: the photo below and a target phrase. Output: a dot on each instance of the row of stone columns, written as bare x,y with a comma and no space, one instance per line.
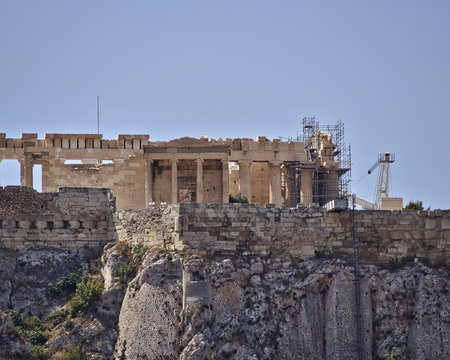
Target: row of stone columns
275,196
174,175
274,183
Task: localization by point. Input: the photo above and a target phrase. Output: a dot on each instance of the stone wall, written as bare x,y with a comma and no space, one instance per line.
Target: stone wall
153,227
72,217
310,231
86,216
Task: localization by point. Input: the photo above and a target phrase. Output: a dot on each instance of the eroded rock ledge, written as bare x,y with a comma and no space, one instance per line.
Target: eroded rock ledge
192,306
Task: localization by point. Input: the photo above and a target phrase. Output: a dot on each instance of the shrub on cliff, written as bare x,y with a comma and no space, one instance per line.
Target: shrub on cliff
16,317
55,318
74,353
30,328
125,270
68,282
87,294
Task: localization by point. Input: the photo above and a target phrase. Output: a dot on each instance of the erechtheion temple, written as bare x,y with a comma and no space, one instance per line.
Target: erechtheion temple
140,172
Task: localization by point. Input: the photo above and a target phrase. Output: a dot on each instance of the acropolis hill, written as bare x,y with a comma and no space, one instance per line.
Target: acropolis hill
188,275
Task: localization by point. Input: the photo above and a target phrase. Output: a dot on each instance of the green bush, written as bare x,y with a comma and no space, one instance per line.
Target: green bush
125,270
87,294
68,322
16,317
31,330
32,322
71,354
56,318
68,282
139,249
415,205
37,352
35,336
238,198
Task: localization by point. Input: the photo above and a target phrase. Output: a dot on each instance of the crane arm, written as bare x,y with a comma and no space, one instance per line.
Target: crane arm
374,166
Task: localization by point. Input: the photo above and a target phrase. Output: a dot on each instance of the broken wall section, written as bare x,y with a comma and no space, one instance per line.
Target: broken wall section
72,217
125,177
152,227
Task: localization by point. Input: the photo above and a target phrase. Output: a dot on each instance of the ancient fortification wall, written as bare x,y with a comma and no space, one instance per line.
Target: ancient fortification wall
300,232
86,216
70,217
307,231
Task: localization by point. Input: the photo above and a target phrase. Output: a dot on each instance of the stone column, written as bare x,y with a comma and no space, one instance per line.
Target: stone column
225,182
26,171
45,175
148,181
289,178
333,184
199,191
306,194
275,183
174,182
244,179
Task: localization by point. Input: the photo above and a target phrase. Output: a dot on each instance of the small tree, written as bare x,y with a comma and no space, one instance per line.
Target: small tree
88,293
415,205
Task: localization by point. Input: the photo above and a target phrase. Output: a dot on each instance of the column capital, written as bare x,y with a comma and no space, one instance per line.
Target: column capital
174,161
149,161
244,162
199,160
276,162
224,161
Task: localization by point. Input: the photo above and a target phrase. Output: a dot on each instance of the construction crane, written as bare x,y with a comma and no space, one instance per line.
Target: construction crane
383,181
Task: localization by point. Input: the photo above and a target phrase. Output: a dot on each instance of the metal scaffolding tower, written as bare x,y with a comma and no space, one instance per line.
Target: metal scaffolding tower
322,193
323,189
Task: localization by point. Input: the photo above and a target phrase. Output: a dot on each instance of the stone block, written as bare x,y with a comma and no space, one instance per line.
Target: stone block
41,224
74,224
445,224
103,225
24,224
430,224
308,250
397,234
8,224
431,234
181,223
88,224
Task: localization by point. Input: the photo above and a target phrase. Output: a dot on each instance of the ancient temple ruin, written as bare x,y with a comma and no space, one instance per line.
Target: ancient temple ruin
141,173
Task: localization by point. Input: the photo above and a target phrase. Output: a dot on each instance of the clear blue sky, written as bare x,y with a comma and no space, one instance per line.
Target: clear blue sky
238,69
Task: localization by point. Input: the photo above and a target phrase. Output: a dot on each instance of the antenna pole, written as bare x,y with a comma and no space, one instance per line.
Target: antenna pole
98,114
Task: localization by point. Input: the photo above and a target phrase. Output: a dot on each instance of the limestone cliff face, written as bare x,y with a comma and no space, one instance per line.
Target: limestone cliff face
193,306
244,307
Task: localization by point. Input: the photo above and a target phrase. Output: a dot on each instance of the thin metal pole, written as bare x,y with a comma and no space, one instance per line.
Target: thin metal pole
98,114
357,283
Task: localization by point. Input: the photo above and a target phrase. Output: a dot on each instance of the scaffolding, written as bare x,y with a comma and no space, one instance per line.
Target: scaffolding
324,187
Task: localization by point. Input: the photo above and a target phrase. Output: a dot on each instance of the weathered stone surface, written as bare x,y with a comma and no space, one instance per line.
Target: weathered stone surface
148,324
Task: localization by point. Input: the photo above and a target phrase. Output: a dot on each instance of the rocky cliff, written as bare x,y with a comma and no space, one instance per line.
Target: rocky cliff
160,304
